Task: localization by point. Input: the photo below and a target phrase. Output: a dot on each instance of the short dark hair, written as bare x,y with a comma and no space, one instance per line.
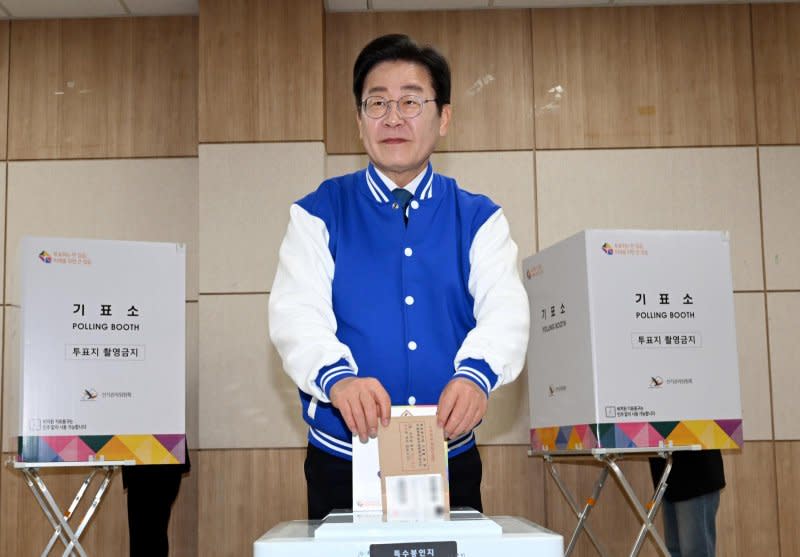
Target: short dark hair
402,47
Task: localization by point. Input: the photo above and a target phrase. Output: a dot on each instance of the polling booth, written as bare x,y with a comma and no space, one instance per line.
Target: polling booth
401,506
102,378
632,351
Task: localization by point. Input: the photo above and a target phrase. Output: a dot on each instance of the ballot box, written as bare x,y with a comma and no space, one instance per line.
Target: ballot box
633,342
463,533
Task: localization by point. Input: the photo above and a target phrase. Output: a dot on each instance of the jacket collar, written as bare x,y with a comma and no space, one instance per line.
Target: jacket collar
382,194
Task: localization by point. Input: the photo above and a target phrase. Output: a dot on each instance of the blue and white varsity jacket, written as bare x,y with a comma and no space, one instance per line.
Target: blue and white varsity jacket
357,292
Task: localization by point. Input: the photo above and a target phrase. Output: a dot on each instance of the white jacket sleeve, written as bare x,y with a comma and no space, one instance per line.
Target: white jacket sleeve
500,336
302,324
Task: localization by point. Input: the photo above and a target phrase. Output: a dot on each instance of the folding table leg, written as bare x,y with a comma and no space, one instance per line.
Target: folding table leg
583,514
56,513
30,480
644,516
90,511
74,505
655,503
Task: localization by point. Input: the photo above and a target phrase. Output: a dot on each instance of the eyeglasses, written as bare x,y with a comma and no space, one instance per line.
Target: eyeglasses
408,106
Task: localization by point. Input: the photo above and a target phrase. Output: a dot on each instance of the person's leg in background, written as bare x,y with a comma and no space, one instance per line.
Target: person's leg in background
329,480
670,528
152,489
697,527
465,472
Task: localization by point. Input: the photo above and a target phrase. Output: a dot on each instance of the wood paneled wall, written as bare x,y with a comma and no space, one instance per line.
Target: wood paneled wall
243,493
261,70
520,496
776,45
787,455
490,60
747,523
4,33
103,88
643,77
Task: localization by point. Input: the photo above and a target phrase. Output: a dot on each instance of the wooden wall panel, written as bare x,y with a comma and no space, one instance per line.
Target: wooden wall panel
3,231
490,59
183,520
164,86
261,70
787,456
643,76
513,482
4,32
24,529
747,522
244,493
103,88
776,48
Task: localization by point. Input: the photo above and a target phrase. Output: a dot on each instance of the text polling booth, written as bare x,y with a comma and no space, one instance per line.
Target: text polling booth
633,346
102,378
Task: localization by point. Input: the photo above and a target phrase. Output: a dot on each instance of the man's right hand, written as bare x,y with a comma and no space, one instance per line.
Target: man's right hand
362,402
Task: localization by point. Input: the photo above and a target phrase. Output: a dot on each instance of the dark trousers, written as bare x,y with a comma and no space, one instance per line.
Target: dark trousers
151,491
330,482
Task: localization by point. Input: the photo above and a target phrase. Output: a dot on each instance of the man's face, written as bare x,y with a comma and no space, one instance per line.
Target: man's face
400,147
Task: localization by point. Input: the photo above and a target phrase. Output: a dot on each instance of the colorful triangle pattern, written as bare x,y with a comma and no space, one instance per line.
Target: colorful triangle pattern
144,449
709,434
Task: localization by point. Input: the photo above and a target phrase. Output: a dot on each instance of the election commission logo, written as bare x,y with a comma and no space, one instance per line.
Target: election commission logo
60,257
556,389
89,394
624,248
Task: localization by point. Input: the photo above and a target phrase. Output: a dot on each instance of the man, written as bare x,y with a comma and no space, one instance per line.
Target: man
394,286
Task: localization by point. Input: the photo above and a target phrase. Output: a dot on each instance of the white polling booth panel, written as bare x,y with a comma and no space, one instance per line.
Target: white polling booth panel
102,351
633,341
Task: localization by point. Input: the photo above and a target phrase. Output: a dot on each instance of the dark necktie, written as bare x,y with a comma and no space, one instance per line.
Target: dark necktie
403,197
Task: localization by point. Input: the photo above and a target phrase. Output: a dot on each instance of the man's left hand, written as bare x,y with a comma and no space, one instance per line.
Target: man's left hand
461,406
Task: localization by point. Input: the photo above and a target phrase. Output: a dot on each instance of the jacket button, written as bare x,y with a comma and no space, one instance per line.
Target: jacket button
412,345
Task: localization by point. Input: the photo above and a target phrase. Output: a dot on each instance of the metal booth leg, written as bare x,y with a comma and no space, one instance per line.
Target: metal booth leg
60,521
74,505
30,480
581,514
90,511
646,516
56,512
